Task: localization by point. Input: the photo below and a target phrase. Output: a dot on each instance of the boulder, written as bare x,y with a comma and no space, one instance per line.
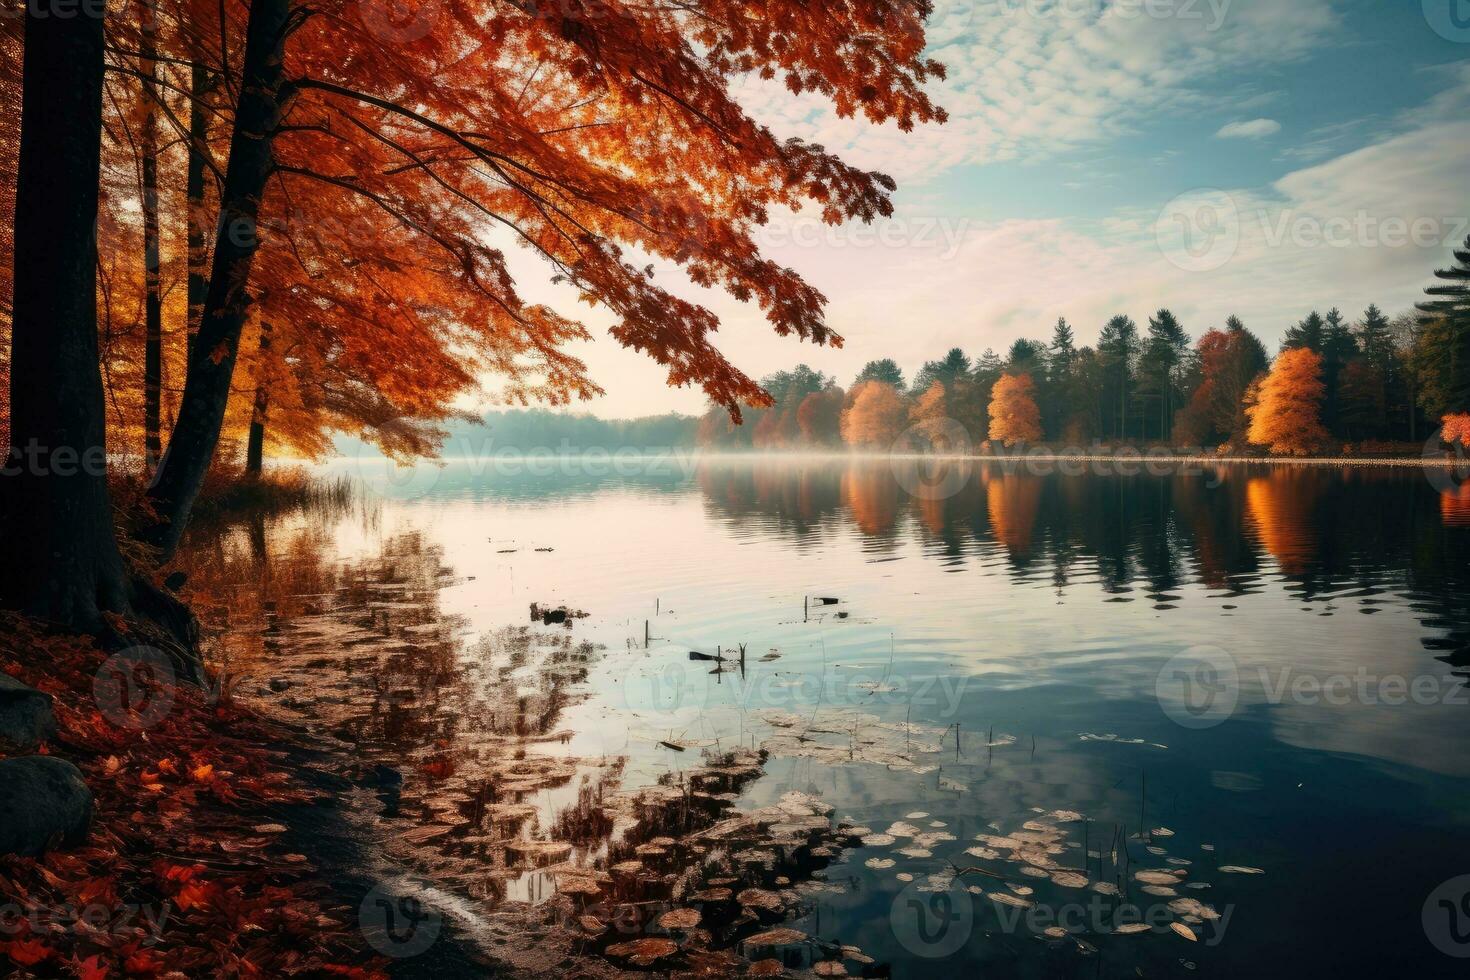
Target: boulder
43,800
25,716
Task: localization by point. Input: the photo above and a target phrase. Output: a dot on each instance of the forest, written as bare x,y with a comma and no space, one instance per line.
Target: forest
1378,384
244,231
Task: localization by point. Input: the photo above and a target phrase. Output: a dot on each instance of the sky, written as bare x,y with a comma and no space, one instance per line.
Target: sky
1256,157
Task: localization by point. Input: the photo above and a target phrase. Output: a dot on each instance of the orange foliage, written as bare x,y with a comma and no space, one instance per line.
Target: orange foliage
1285,416
820,417
1013,502
1454,506
200,786
604,140
1456,429
1014,416
1279,507
872,494
930,417
876,418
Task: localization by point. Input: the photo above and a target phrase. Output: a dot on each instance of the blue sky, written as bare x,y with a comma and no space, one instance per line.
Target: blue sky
1259,157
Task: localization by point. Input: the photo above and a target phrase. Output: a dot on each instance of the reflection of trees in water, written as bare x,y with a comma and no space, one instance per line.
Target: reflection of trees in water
872,496
1280,506
1322,532
1012,502
792,498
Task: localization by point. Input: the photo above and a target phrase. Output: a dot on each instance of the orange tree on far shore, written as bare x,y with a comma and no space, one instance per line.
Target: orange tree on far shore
1014,416
1286,416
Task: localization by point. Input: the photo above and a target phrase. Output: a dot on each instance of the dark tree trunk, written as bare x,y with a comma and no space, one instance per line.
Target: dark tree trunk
226,306
200,85
153,299
61,558
255,447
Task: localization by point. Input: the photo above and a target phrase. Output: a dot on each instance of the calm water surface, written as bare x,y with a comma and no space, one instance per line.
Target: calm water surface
1236,668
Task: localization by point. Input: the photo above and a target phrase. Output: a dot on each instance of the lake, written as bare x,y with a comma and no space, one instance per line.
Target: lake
1206,719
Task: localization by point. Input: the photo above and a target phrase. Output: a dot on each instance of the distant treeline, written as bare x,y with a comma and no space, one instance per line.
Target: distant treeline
540,430
1335,383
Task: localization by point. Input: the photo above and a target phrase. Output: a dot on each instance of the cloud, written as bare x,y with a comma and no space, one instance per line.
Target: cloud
1253,129
1033,79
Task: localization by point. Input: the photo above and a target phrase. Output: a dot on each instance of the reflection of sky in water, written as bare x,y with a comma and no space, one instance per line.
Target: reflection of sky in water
1039,608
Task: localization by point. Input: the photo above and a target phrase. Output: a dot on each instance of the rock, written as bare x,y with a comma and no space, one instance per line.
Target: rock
44,800
25,716
279,684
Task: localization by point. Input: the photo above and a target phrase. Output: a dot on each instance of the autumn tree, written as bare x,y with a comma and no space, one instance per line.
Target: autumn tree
61,559
876,417
819,417
1014,416
929,418
1286,416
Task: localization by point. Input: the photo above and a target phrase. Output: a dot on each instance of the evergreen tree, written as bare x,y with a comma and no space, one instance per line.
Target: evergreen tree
1117,348
1446,339
1370,384
1306,334
1339,347
953,366
1376,340
885,370
1063,350
1057,394
1159,367
1026,357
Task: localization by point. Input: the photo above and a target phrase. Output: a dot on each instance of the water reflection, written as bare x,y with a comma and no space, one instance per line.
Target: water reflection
1323,532
991,664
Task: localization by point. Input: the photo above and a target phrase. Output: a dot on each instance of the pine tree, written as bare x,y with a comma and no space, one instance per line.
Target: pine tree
1306,334
1339,347
1058,397
1446,338
885,370
1163,356
954,365
1117,347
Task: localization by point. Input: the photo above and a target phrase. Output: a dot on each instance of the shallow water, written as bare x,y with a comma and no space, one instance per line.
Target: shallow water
1234,667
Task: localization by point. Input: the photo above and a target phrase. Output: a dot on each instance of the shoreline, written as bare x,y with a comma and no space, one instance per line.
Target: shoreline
1133,456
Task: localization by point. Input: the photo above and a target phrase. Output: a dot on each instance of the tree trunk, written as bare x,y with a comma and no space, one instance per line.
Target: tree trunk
207,389
255,447
61,558
200,85
153,299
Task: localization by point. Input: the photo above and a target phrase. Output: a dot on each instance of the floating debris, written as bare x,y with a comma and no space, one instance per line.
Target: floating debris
644,952
681,919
